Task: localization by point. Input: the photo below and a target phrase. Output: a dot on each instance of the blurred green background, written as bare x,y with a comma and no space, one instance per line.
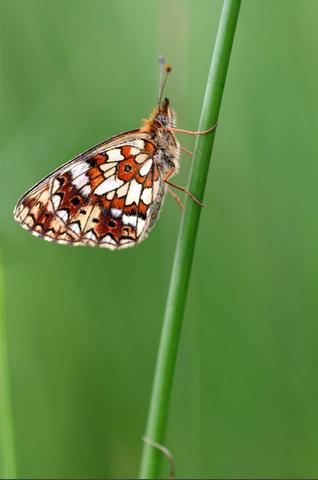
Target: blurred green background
83,324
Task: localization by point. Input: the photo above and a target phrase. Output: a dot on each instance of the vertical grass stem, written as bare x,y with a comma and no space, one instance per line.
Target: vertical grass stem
166,359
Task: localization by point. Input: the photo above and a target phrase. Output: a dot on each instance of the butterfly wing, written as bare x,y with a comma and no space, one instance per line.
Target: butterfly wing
109,196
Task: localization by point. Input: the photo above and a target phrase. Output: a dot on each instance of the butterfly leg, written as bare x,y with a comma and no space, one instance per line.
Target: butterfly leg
177,199
182,189
192,132
185,150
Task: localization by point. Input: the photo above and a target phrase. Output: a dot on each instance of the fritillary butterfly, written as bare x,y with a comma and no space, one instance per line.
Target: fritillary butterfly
111,195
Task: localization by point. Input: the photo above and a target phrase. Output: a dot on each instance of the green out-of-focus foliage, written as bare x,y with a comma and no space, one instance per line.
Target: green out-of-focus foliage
83,324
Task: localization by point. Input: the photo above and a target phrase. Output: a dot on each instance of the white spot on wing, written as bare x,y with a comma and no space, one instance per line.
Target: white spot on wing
108,185
133,192
114,155
56,200
63,215
130,220
80,181
134,151
78,169
108,239
110,195
107,166
141,158
85,191
140,225
138,143
146,195
56,185
146,167
110,172
90,235
116,212
75,227
123,190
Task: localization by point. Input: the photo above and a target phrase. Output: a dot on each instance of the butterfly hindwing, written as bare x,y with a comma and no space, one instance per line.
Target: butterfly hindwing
108,197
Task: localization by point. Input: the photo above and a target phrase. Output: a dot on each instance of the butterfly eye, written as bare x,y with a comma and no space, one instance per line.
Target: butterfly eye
127,168
162,119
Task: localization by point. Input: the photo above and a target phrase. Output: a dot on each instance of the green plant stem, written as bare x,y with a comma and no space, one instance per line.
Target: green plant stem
7,453
181,270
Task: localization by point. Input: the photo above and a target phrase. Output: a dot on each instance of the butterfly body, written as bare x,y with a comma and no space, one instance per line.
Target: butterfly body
109,196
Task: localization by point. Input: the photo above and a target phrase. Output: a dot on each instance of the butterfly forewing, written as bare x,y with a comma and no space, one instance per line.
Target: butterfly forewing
108,197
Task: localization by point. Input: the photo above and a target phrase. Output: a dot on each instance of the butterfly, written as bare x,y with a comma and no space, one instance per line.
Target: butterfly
111,195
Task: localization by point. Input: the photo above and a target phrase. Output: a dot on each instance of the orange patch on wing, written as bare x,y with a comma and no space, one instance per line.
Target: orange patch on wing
149,147
149,181
118,203
125,151
105,203
95,177
142,208
100,159
113,226
108,224
127,169
146,181
68,191
44,218
130,209
101,227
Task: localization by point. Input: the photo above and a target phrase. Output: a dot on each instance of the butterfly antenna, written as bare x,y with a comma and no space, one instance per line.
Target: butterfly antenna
165,69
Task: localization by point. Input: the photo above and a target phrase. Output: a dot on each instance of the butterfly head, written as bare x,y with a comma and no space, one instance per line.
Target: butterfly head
165,115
